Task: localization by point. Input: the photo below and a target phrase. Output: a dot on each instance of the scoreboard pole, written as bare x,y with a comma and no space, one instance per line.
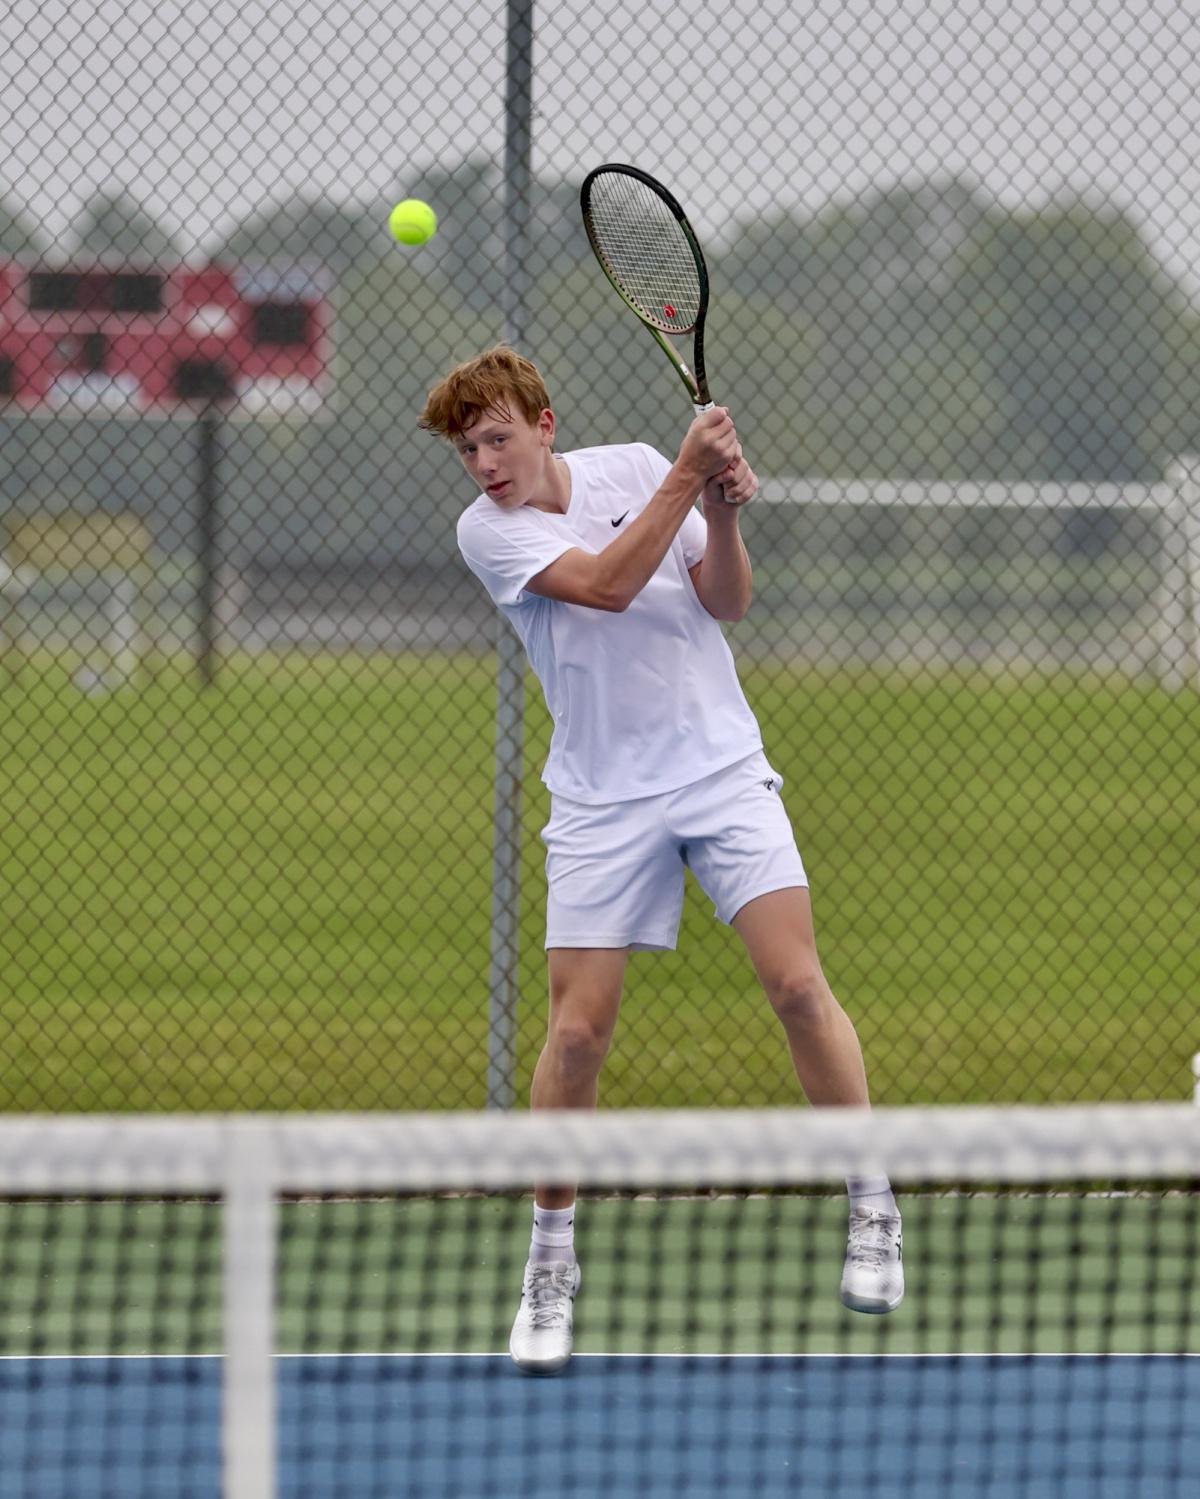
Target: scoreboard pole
207,525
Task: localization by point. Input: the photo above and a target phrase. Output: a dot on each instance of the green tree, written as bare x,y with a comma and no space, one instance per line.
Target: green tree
307,228
945,337
114,224
860,253
1174,427
366,482
19,235
471,247
1078,322
858,311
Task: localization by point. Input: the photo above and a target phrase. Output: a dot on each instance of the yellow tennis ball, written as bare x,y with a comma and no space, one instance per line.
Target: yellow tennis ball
412,222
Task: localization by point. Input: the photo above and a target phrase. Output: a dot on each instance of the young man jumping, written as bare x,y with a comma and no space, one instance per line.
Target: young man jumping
616,584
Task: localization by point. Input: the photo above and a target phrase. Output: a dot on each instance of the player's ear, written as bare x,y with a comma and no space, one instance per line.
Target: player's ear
545,426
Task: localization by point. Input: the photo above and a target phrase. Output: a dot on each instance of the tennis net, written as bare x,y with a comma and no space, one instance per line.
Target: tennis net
251,1307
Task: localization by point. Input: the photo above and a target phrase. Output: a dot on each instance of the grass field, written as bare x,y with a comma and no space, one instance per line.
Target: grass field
276,893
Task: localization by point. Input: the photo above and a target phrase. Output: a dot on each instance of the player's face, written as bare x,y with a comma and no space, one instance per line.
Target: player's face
506,455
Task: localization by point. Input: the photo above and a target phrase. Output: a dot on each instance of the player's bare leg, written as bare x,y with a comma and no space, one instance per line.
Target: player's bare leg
778,932
585,999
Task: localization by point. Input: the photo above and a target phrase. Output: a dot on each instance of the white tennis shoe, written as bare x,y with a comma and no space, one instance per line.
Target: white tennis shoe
873,1275
543,1334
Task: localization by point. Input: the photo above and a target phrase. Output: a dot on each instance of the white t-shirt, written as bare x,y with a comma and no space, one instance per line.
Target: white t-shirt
643,701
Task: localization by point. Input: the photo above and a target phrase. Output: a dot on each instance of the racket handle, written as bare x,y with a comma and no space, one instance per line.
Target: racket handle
700,409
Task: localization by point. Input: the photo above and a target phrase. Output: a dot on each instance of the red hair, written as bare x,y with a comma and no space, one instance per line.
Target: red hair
500,381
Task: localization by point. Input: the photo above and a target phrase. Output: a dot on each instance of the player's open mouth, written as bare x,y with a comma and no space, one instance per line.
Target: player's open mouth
496,490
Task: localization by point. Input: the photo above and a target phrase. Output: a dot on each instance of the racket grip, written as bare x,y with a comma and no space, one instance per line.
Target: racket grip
700,408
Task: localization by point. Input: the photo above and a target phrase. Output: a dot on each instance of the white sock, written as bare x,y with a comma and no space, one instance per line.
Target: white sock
553,1236
874,1192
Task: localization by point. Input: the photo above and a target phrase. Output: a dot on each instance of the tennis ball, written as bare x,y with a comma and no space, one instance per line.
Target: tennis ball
412,222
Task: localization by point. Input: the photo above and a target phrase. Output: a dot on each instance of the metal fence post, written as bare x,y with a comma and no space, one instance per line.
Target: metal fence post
510,673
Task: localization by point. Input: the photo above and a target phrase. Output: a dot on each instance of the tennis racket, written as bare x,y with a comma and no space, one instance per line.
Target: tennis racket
650,253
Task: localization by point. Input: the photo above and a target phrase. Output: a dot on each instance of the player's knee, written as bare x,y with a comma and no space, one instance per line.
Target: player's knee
802,1000
579,1046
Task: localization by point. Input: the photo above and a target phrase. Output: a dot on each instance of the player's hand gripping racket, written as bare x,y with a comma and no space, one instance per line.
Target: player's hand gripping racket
650,253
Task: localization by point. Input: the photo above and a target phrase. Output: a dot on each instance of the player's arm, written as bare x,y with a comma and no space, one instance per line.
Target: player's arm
722,578
613,578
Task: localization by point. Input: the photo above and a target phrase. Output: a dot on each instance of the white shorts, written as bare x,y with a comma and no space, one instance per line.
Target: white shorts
616,871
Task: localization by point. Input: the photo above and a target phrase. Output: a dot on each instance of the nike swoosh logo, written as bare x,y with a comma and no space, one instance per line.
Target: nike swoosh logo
619,519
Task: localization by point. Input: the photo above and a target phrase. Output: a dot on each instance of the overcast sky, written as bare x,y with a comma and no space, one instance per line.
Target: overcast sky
206,108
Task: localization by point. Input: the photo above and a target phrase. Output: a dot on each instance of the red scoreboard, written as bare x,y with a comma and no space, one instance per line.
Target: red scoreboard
104,341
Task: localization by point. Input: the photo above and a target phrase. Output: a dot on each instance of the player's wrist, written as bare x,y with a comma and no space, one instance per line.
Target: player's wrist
721,512
722,519
691,474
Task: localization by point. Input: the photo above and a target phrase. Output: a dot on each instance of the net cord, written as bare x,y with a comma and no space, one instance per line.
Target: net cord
95,1154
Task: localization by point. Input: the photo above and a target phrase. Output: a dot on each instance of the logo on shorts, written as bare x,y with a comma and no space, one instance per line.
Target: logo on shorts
619,519
770,785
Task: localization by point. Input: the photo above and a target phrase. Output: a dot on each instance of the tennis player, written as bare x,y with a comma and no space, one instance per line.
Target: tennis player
617,584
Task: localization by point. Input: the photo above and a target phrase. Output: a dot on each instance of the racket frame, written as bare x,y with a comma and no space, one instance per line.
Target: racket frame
694,378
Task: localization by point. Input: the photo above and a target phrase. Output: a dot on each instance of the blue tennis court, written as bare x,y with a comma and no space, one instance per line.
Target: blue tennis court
1041,1427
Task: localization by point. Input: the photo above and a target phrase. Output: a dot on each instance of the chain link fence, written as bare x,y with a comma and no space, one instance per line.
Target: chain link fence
259,848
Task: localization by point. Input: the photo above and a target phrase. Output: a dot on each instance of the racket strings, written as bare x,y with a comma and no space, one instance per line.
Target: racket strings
645,251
